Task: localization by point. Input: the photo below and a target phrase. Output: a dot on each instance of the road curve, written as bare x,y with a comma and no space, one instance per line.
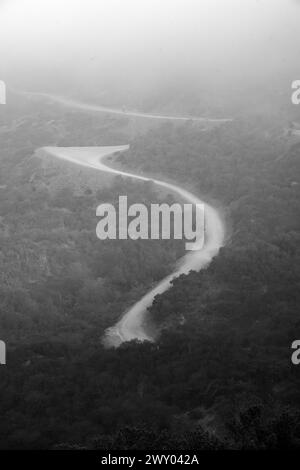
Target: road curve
132,324
72,103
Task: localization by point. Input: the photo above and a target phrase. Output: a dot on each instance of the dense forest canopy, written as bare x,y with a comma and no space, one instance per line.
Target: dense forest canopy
220,374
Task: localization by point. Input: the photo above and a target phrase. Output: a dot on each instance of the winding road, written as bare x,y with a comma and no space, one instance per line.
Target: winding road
71,103
132,325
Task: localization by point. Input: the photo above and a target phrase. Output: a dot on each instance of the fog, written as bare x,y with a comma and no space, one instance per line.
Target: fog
142,45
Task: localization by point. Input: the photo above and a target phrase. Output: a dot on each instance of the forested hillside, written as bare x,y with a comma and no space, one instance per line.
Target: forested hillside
220,374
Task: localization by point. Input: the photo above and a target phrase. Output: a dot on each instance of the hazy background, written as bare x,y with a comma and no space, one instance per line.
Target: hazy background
141,46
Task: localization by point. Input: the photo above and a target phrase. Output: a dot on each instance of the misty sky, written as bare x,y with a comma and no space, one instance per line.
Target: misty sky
136,40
